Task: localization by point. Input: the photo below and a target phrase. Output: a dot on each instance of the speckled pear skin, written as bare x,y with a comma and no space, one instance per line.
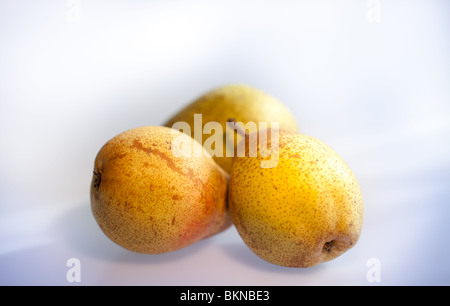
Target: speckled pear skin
149,201
306,210
235,101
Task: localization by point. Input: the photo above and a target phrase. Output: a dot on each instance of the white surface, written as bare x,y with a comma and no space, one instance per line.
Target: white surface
377,92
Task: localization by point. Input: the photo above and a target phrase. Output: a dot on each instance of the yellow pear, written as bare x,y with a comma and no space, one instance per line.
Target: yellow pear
303,208
148,198
242,103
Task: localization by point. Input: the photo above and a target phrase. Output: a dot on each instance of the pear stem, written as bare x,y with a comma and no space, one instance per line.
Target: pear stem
238,128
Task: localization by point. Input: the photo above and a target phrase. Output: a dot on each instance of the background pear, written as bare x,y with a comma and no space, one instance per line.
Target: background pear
241,103
306,210
147,200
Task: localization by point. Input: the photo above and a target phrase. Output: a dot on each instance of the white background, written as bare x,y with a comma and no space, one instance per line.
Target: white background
374,87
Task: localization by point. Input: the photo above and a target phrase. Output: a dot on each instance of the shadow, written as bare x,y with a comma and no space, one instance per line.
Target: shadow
241,253
82,232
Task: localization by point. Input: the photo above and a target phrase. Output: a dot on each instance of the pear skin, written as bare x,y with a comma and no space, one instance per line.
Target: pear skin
239,102
305,210
147,200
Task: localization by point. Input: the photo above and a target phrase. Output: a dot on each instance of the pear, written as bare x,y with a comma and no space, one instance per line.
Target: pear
242,103
149,200
306,209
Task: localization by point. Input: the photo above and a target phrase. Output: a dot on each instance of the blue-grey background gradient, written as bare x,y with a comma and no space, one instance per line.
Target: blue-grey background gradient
376,90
